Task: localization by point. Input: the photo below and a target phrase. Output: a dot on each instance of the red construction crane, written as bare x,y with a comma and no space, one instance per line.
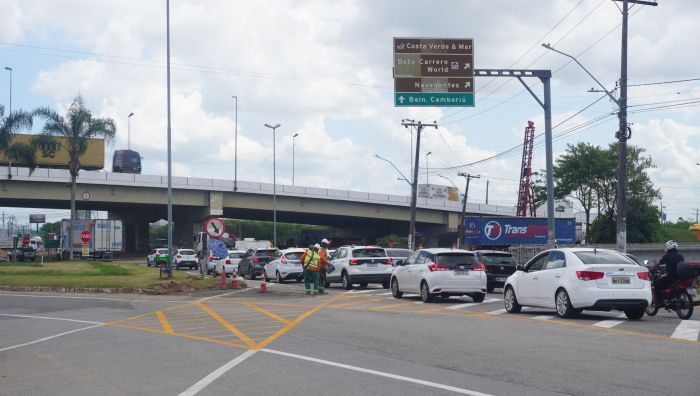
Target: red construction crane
525,192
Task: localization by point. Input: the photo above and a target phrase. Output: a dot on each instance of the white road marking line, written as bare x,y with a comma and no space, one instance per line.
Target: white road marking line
359,291
384,294
201,384
225,294
687,330
498,312
380,373
490,300
419,302
460,306
51,318
410,295
50,337
543,317
89,298
608,324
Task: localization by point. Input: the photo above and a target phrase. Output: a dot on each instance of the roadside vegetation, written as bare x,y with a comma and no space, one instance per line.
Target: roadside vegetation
90,274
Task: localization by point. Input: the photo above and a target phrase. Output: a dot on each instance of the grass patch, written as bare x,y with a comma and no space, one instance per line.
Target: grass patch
84,274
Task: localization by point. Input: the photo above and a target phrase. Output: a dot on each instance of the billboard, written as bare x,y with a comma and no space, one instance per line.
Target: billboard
516,230
37,218
434,191
55,154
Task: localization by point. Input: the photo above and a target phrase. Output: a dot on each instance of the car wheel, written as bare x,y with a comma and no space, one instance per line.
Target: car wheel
299,280
345,279
425,292
684,306
363,284
279,277
251,275
653,308
563,304
326,284
395,289
385,285
148,263
634,314
490,289
478,297
264,275
510,301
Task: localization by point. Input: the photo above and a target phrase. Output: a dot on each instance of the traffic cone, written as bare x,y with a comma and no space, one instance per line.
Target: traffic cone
234,280
263,285
222,279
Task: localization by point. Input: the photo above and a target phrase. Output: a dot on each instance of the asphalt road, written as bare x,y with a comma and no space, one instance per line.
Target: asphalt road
359,343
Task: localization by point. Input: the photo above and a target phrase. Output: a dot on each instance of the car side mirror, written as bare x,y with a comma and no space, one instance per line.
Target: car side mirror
646,263
519,267
398,262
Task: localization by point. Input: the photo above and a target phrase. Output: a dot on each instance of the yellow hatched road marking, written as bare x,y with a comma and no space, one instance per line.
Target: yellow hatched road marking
164,322
393,305
268,313
246,340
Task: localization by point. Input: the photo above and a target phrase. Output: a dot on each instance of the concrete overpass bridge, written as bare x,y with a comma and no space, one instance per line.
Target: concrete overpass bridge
142,199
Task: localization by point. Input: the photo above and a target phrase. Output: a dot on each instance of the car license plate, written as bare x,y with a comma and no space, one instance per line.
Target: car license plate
620,280
372,265
500,279
461,273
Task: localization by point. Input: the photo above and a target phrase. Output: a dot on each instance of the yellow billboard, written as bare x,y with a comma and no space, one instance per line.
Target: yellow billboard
55,154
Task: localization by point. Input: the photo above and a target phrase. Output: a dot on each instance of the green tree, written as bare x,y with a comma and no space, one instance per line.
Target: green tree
77,127
10,125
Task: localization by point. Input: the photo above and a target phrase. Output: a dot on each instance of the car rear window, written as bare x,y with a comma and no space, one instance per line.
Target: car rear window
398,252
264,253
453,260
162,251
235,255
369,252
187,252
589,258
498,258
294,256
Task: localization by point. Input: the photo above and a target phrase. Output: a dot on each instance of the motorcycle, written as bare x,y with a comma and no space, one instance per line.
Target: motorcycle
678,297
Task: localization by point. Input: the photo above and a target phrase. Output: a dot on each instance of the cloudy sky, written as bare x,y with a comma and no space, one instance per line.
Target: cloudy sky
323,69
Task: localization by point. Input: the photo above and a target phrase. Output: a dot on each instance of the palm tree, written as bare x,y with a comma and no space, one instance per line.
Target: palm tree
76,128
23,153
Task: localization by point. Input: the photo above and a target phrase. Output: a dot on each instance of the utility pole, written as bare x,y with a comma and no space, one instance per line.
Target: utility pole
623,133
460,226
414,181
487,192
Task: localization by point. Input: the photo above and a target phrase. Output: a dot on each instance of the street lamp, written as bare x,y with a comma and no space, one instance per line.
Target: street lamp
293,137
397,169
235,149
10,70
274,185
449,180
129,136
427,168
169,264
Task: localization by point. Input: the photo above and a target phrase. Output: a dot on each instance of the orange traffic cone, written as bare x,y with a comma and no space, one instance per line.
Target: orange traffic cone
222,279
234,280
263,285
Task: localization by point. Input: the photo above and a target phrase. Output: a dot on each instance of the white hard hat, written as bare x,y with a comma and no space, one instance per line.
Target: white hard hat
324,240
317,246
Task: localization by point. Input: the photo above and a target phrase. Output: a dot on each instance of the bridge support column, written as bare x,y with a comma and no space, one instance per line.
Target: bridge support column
135,237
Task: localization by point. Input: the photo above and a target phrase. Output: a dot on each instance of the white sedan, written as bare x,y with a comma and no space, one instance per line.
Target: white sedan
228,264
440,272
575,279
285,265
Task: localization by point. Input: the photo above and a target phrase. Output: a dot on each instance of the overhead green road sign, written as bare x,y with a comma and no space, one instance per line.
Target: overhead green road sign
428,99
433,72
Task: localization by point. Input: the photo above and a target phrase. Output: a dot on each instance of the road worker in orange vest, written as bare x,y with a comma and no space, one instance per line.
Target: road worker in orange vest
310,262
324,261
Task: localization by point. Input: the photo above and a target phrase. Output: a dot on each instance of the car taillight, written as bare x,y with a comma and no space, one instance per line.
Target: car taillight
256,260
389,261
479,267
643,275
589,275
354,262
228,261
157,254
437,267
178,256
283,260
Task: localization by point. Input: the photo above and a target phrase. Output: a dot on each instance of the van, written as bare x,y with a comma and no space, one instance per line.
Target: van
126,161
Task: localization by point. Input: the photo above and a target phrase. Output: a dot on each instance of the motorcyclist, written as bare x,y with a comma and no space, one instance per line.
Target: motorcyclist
671,260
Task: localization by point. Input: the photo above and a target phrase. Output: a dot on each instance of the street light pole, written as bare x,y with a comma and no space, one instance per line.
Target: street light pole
460,233
10,70
129,135
293,137
404,178
168,268
427,168
235,149
274,184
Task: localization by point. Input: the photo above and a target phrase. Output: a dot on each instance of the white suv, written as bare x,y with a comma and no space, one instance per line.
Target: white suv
186,258
360,265
440,272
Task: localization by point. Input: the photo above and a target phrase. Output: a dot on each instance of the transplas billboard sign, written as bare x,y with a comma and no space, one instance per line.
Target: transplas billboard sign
516,230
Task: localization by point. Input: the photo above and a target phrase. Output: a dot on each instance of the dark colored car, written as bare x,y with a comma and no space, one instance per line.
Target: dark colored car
499,266
253,262
23,253
126,161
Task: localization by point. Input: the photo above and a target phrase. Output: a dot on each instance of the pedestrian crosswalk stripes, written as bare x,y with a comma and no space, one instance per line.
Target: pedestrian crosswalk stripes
687,330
